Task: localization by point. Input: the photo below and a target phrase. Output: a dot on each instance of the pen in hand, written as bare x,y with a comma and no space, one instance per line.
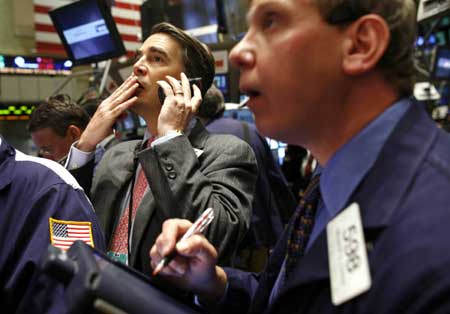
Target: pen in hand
197,227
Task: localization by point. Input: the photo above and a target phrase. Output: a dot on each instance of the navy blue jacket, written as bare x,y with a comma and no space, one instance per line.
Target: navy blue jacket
274,201
405,208
33,190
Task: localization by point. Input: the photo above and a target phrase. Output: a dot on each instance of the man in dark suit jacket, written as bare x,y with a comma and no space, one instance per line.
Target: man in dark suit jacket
187,170
335,77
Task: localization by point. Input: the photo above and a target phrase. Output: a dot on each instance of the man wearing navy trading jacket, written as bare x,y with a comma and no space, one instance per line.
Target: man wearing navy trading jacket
40,203
336,77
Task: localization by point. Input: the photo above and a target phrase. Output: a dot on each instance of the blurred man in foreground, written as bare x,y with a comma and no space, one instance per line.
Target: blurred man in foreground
335,77
40,203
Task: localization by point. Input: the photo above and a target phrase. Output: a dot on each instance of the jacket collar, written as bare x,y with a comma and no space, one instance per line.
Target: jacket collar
409,145
6,167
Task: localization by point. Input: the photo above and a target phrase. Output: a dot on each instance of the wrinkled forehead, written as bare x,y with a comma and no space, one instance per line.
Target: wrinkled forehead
163,44
257,5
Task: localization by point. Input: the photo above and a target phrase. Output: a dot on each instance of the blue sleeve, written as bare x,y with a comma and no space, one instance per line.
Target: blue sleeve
240,290
25,287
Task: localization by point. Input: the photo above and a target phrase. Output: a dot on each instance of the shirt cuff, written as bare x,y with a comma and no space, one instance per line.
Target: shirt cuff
170,135
78,158
219,304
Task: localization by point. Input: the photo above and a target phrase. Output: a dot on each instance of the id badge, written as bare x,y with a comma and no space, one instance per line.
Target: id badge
347,256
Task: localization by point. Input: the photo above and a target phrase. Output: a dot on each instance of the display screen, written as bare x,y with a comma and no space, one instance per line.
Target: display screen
235,16
88,31
128,123
442,64
34,65
15,112
197,17
221,82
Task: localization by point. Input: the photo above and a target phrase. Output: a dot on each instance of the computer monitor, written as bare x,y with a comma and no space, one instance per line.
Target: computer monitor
129,123
441,63
87,31
197,17
221,82
234,15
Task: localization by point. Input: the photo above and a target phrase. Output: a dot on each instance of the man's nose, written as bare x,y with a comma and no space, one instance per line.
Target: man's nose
139,69
242,56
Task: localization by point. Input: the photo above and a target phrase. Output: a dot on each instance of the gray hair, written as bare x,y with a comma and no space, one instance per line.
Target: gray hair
397,63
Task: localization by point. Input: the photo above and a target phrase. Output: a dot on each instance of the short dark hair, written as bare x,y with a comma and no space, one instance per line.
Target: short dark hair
397,63
58,113
197,58
213,103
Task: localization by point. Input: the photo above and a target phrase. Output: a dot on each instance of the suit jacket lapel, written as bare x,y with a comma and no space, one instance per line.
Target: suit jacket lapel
269,276
143,215
312,267
160,188
315,261
110,184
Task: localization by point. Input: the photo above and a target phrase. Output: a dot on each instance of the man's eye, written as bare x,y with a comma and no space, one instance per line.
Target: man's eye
268,21
157,59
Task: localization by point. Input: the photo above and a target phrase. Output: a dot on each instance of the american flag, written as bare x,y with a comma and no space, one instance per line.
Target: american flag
126,14
64,233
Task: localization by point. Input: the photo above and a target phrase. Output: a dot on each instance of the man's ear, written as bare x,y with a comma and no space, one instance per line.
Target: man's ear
73,132
366,43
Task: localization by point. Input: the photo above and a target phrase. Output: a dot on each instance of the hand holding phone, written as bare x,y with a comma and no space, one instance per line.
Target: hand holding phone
196,80
176,112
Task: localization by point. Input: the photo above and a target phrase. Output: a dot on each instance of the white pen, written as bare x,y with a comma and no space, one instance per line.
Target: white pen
197,227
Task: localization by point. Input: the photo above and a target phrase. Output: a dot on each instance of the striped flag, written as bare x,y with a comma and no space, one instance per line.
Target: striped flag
64,233
126,14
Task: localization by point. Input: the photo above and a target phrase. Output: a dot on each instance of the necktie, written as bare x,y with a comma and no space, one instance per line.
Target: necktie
302,224
119,244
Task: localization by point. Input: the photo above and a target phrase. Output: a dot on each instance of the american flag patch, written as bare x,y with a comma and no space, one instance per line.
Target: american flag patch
64,233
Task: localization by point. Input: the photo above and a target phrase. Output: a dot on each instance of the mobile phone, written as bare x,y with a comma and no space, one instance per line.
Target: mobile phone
192,81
